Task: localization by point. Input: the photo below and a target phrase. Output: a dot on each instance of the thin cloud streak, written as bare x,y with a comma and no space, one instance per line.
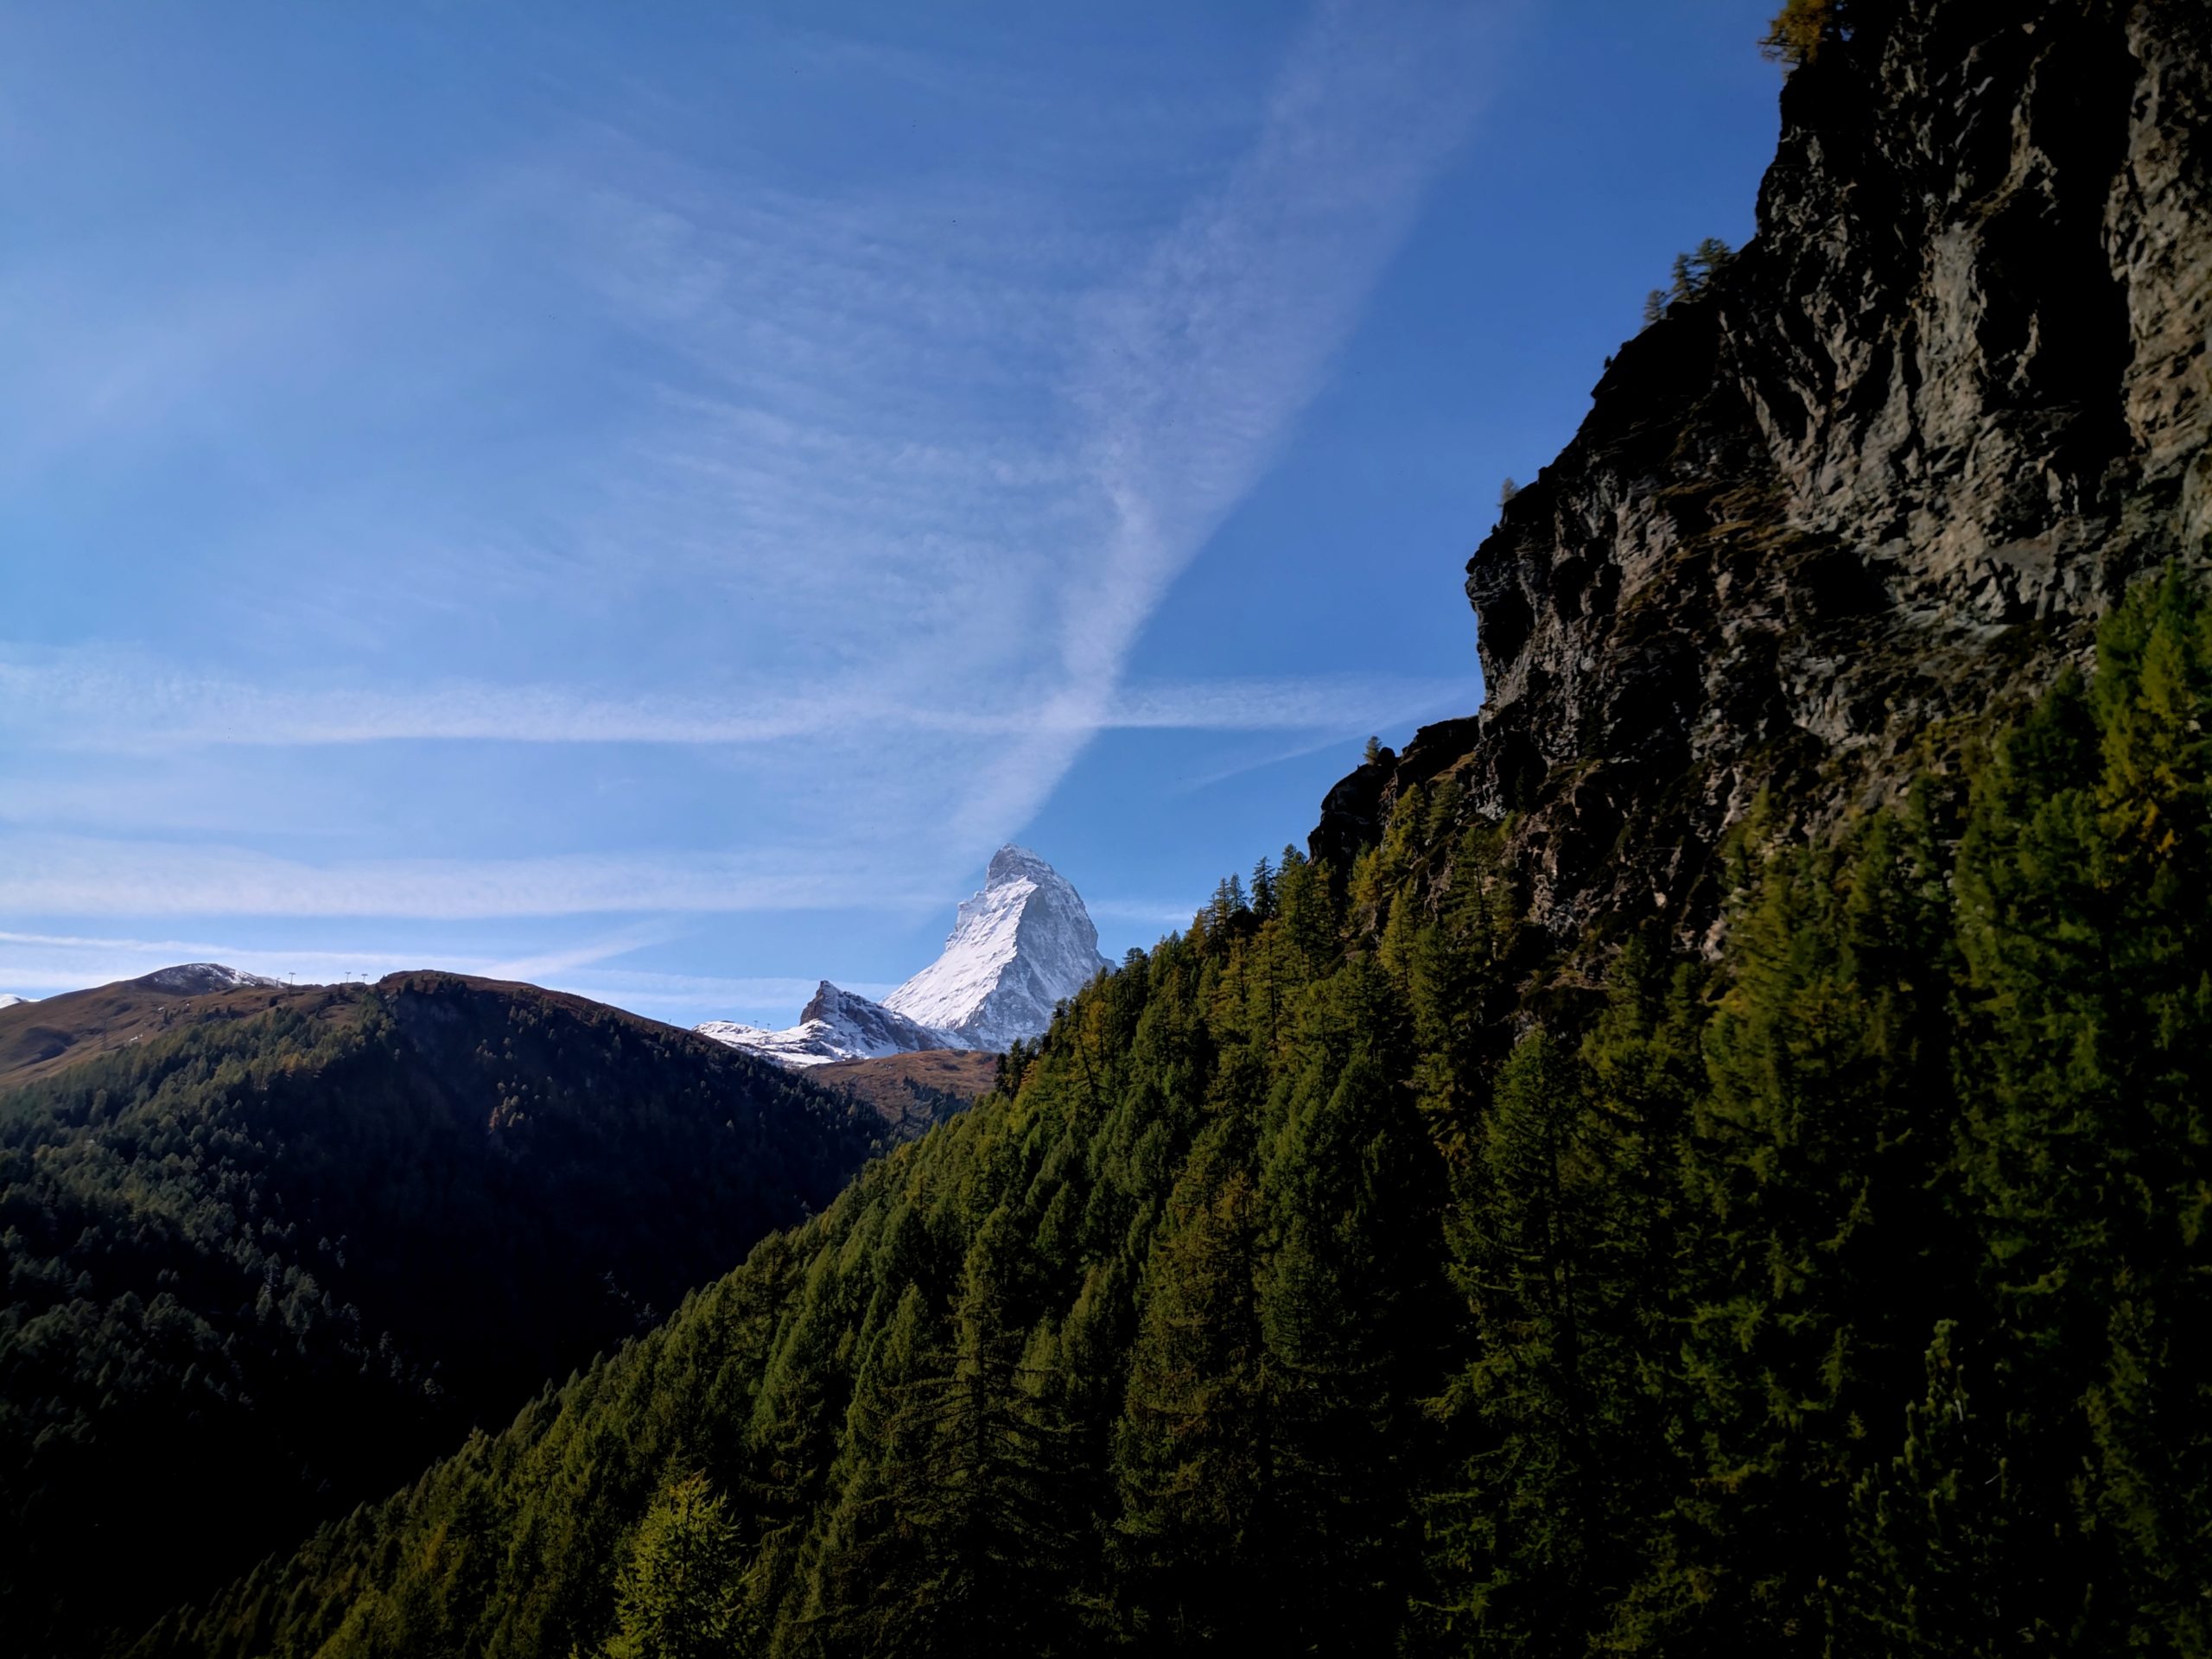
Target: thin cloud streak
86,877
1010,560
128,707
1203,363
1144,910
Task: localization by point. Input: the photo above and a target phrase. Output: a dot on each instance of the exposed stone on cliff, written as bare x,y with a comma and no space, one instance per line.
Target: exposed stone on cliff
1883,475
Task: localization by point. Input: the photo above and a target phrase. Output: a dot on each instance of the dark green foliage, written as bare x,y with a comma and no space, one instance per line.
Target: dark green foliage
1345,1277
2083,885
284,1261
676,1595
1694,273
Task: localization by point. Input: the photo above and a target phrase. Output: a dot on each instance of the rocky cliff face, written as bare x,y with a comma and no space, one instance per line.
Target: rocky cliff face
1885,474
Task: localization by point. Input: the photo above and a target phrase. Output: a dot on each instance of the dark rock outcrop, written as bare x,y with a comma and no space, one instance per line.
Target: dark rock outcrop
1882,477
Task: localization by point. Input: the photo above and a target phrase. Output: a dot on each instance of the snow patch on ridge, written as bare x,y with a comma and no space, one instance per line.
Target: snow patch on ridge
193,978
837,1024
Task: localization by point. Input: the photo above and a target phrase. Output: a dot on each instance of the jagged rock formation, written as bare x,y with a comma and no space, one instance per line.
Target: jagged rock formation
835,1024
1883,475
1016,950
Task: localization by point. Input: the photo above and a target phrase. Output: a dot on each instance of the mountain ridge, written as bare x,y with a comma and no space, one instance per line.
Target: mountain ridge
836,1026
38,1038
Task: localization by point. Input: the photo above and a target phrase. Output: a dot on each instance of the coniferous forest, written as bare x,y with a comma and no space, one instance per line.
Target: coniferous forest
286,1260
1350,1274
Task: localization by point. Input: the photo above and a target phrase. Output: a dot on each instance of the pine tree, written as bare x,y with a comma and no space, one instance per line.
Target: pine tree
1562,1243
1684,284
948,1536
1263,891
2086,888
1194,1455
677,1596
1932,1571
1798,31
1708,260
1352,1315
1814,1216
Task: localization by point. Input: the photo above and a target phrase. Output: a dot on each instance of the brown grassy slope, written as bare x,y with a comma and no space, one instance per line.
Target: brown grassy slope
39,1039
911,1091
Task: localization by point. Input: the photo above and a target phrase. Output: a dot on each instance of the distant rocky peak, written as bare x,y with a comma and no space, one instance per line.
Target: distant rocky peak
828,1002
1011,863
1017,949
835,1024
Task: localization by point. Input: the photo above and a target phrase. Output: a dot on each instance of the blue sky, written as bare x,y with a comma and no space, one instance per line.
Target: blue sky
645,499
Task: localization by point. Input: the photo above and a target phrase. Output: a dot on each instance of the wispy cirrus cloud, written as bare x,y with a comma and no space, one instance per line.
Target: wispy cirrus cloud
83,875
882,487
81,701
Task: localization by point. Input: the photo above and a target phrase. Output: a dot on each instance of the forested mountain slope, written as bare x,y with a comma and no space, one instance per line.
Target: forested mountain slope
1323,1289
271,1262
1447,1245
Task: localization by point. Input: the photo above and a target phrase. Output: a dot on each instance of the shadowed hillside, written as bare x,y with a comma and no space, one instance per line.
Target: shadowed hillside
267,1263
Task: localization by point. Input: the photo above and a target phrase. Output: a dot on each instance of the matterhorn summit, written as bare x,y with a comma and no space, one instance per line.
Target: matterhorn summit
1017,949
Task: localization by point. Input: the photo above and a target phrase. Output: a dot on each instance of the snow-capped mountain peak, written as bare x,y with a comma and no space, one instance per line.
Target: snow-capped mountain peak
1017,948
9,1000
835,1024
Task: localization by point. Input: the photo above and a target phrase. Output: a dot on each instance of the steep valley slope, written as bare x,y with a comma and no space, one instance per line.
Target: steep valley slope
279,1246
